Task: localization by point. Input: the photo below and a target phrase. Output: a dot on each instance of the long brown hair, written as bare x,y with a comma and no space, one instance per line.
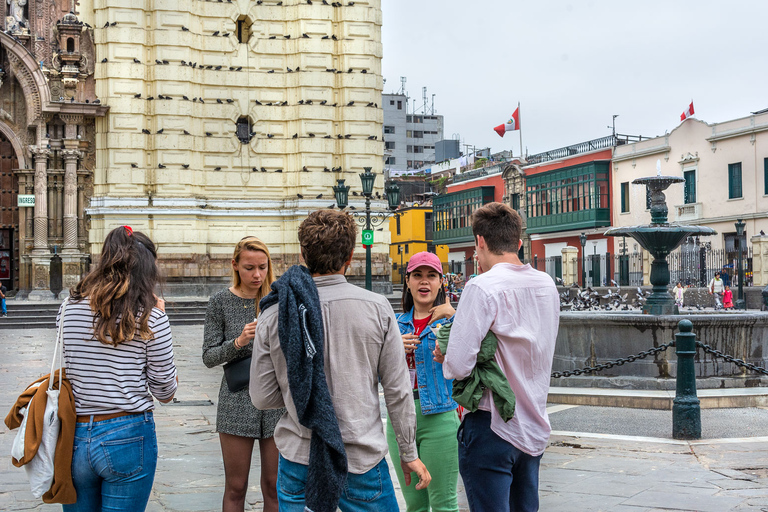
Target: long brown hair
251,243
121,289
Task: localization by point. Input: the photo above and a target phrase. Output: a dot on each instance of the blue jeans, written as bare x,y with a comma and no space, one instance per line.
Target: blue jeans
497,476
113,465
370,492
2,305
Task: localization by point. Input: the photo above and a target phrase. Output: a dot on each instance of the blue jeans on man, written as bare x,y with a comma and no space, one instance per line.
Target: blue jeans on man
113,464
497,476
370,492
2,305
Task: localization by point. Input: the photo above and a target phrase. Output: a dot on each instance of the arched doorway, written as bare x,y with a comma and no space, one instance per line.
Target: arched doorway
9,216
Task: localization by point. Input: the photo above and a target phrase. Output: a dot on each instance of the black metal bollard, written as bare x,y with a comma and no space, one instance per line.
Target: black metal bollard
686,412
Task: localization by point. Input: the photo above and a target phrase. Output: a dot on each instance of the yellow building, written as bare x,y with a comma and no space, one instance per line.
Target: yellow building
411,233
229,119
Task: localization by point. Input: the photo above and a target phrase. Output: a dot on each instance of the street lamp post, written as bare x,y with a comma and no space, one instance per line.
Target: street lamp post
392,191
583,240
740,302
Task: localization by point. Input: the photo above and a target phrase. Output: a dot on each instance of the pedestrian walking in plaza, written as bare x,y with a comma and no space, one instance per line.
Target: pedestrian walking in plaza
716,288
437,421
498,460
3,291
118,354
230,322
728,298
322,349
679,292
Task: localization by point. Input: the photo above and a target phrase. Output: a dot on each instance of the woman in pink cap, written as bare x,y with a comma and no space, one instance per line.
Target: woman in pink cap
425,307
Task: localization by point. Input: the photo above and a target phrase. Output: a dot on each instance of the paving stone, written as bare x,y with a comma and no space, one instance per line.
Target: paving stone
678,501
579,474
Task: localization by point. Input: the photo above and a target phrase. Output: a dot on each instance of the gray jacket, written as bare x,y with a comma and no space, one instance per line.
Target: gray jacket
363,347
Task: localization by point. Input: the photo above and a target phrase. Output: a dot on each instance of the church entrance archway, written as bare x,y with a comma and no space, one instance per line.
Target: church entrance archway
9,216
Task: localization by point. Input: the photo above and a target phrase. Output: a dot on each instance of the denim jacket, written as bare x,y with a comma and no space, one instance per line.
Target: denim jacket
434,389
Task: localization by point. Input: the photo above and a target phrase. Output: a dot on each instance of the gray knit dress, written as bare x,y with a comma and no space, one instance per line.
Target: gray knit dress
225,318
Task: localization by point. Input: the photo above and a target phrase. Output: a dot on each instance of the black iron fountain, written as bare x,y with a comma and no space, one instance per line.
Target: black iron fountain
660,238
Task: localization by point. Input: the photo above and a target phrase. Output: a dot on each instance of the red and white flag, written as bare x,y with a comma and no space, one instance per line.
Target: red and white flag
687,113
511,125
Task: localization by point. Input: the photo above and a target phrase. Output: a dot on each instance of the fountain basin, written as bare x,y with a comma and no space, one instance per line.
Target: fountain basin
590,337
661,239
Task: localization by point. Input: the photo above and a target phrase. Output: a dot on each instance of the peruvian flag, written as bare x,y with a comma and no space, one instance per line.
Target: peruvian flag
511,125
687,113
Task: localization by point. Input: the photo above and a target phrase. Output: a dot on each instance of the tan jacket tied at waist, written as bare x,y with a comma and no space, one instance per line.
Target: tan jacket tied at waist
63,489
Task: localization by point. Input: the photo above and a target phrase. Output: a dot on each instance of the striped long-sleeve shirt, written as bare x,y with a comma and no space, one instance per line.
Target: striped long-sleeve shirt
107,379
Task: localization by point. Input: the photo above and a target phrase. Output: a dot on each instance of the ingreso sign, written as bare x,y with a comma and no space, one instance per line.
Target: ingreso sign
25,200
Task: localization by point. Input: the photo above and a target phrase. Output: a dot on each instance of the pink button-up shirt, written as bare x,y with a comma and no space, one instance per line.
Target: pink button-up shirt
522,308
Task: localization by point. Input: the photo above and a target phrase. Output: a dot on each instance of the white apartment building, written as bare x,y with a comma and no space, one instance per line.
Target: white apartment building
409,139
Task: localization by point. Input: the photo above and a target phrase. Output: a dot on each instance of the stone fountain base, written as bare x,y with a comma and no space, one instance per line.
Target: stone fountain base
589,338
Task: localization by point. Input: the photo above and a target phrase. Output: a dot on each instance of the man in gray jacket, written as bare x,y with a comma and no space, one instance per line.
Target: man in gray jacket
362,348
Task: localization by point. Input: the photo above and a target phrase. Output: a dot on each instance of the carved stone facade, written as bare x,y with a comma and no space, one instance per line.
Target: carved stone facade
226,119
47,129
514,195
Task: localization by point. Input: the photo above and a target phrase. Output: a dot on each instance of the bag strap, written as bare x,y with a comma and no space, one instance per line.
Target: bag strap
58,349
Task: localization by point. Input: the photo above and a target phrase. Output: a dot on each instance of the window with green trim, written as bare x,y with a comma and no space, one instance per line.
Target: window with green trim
690,187
734,181
625,197
765,176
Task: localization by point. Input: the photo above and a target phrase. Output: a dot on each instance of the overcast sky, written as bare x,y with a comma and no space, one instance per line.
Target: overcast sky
573,64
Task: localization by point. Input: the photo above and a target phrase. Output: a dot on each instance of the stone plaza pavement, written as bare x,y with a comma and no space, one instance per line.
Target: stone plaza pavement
581,471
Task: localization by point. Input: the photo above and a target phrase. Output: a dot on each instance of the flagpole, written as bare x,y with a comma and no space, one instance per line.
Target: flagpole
519,117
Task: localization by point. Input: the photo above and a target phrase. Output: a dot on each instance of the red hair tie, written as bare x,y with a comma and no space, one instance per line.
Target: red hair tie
128,230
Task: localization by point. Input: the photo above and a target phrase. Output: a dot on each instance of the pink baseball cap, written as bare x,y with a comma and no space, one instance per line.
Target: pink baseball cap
424,259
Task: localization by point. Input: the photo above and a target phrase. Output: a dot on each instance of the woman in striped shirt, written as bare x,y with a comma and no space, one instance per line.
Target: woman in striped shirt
118,354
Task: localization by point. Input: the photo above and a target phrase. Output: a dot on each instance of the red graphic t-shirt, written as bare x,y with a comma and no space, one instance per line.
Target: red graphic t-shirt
418,327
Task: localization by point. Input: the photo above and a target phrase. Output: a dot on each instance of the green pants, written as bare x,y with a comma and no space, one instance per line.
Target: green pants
439,451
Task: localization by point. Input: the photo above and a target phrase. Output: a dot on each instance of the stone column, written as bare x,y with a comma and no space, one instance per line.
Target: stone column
759,260
71,157
41,255
41,198
570,265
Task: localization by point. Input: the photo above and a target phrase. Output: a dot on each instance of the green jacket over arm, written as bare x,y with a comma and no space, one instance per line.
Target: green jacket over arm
486,374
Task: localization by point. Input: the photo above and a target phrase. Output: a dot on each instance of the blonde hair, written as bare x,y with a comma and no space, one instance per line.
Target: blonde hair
251,243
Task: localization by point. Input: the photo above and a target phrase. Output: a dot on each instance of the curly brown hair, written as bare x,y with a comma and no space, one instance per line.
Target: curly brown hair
121,288
327,239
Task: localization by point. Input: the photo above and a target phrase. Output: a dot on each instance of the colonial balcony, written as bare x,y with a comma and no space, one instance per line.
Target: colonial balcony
571,198
451,214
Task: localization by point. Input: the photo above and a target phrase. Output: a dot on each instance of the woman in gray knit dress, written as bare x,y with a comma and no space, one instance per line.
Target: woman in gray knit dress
229,328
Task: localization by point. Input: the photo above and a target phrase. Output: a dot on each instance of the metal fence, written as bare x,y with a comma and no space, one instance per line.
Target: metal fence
691,265
696,265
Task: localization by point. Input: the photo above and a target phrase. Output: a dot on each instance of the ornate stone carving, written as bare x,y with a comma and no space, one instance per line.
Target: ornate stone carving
16,23
28,85
70,156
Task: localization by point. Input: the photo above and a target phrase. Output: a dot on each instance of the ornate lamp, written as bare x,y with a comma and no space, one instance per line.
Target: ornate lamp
367,178
740,302
392,190
583,240
342,194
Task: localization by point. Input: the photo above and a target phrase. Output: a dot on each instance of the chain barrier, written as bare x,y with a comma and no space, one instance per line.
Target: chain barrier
731,359
653,351
617,362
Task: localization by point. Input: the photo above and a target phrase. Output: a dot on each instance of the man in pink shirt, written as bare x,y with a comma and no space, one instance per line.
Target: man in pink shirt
499,461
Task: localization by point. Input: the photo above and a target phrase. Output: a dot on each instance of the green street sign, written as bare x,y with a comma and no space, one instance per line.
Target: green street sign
367,237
